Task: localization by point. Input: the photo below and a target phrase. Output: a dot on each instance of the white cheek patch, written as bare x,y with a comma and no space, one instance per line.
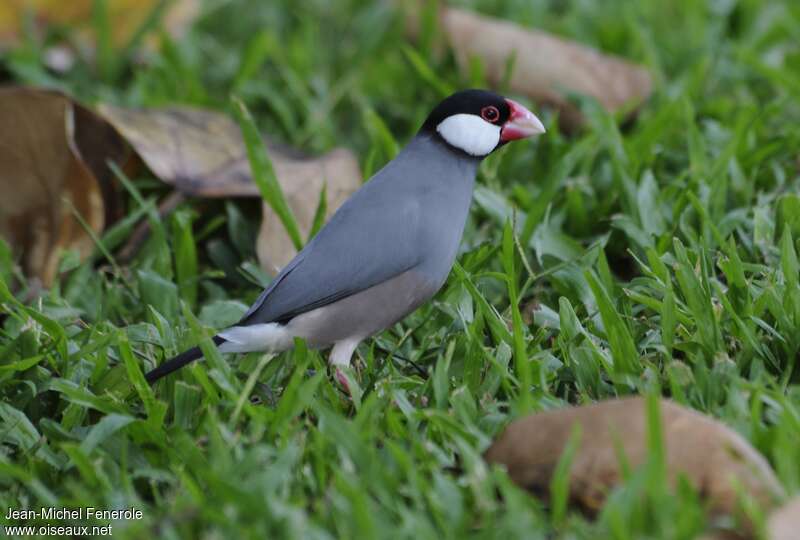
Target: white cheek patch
470,133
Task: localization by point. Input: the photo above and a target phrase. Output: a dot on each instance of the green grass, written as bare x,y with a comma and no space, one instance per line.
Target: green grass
658,254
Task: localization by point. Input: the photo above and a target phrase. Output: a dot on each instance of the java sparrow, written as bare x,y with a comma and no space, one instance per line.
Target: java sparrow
389,248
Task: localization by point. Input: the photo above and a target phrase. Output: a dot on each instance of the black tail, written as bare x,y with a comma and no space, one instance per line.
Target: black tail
177,362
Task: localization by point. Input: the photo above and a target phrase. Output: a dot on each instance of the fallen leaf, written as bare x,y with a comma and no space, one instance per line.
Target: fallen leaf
44,180
202,154
338,170
98,145
711,455
125,16
784,523
546,67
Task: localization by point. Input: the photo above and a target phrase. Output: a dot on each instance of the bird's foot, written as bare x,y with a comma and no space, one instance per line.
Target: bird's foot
341,378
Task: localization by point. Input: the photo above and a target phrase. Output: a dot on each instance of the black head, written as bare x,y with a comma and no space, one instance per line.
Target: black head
477,122
482,103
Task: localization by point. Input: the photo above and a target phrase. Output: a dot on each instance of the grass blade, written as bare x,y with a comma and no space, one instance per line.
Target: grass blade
264,174
623,349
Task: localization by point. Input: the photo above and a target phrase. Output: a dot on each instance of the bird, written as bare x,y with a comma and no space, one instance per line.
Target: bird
387,249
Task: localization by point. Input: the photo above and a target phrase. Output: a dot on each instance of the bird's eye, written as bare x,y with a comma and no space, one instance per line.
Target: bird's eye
490,113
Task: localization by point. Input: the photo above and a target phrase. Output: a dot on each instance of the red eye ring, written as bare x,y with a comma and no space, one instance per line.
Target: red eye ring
490,113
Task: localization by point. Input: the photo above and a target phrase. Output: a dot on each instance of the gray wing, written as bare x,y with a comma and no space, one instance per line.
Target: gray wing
373,237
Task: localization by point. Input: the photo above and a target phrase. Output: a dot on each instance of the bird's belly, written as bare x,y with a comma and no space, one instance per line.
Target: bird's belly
364,313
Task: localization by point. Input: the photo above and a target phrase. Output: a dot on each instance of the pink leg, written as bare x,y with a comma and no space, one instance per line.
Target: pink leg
340,357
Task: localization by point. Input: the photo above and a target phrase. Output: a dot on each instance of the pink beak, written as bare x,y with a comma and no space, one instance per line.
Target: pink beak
521,124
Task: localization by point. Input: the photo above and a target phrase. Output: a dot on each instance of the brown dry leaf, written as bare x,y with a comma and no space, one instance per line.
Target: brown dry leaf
44,180
202,153
98,144
546,67
125,16
784,523
710,454
338,170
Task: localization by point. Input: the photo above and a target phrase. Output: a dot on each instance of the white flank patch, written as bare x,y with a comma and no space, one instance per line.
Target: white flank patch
271,337
470,133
